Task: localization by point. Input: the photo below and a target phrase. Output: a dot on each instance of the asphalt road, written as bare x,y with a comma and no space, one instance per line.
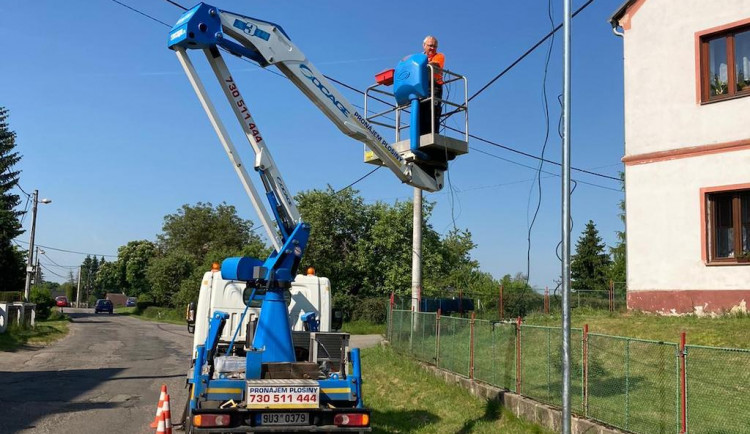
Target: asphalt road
104,377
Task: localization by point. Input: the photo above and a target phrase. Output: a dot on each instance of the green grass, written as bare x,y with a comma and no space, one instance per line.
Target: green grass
44,333
404,398
362,327
153,313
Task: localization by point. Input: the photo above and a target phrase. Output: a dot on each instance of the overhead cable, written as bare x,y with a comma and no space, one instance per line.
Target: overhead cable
529,51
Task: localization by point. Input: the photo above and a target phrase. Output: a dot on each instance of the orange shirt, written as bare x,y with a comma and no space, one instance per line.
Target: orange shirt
438,58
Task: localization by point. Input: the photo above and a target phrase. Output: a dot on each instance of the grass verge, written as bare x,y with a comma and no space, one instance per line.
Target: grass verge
363,328
404,398
44,333
725,331
154,313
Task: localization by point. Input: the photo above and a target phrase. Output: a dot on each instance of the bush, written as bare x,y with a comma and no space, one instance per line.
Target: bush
11,296
374,310
43,300
346,303
57,315
371,309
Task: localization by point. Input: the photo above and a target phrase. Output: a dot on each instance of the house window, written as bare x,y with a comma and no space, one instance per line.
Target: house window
725,64
729,226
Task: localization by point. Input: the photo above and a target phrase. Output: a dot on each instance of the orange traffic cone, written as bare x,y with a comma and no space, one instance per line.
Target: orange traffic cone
162,396
167,414
160,426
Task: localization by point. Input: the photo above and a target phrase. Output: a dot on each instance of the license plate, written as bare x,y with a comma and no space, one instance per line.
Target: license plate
284,419
283,395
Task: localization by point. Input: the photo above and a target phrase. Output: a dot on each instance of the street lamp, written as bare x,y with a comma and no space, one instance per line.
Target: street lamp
29,259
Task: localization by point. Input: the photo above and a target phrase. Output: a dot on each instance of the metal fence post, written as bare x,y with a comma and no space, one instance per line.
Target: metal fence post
518,355
627,382
500,307
390,318
471,349
683,385
585,389
437,339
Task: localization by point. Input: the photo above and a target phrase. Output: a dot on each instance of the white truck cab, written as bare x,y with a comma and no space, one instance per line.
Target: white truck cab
308,293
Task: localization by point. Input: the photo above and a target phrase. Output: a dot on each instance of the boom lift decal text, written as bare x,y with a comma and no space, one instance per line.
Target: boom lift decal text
382,141
252,128
307,72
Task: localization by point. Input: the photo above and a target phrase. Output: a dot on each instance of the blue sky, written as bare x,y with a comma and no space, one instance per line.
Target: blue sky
110,129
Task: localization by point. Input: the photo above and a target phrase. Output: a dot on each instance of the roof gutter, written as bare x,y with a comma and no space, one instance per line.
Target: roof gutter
615,26
614,20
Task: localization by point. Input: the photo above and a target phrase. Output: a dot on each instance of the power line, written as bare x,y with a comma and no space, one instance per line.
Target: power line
56,264
24,191
363,177
541,41
525,154
176,4
538,175
52,272
68,251
141,13
543,171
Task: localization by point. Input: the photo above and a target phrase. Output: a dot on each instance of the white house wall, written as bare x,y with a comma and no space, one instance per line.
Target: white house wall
666,267
661,111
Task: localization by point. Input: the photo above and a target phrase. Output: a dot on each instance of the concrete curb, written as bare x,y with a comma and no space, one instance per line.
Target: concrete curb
524,408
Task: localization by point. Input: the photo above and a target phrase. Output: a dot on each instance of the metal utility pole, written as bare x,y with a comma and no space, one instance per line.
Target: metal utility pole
566,223
78,292
416,254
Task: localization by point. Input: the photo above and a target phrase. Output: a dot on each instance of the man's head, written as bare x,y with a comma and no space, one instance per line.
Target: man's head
430,45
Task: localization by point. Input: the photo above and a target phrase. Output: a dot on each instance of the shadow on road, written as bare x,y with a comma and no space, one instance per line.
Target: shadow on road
28,396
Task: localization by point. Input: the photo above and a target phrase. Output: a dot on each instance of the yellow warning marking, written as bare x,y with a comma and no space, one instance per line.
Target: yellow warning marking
337,390
223,390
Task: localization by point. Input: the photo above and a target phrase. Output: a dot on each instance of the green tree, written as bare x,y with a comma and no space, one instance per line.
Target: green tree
127,274
457,269
197,230
111,278
12,260
519,297
619,251
89,282
367,249
166,274
387,252
192,239
339,223
590,266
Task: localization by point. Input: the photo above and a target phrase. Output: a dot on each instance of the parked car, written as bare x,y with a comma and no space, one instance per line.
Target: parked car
61,301
103,305
131,302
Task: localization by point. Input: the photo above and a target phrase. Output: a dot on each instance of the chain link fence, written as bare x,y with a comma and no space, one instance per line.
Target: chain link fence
633,383
495,353
718,389
637,385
